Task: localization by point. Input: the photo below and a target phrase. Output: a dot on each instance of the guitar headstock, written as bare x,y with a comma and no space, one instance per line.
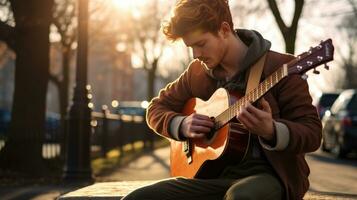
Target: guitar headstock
316,56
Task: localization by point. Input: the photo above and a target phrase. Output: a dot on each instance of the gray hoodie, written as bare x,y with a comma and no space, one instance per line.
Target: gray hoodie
257,46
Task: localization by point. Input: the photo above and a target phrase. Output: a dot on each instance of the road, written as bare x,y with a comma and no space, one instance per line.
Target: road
329,174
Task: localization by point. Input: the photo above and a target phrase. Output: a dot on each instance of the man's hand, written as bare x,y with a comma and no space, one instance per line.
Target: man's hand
258,121
196,126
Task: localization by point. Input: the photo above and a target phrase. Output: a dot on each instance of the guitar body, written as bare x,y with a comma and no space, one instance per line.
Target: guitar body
207,154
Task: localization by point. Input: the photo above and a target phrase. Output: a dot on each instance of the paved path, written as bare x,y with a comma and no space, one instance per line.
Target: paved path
148,166
328,175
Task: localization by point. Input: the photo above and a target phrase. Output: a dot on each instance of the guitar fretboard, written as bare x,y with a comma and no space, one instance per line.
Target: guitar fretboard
251,97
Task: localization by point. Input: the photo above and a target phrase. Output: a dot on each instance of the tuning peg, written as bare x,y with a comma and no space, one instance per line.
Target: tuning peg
327,67
304,76
315,71
310,51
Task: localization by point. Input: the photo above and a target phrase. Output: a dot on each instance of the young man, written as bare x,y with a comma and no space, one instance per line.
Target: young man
285,125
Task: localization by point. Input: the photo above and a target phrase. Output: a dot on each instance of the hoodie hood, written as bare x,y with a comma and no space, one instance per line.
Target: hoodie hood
257,46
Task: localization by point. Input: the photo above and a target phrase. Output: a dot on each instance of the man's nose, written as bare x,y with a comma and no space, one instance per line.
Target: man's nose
196,53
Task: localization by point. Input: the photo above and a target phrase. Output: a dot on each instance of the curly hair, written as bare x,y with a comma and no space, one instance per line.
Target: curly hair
191,15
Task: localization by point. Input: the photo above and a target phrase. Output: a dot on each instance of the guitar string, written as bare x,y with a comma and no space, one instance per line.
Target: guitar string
252,96
270,82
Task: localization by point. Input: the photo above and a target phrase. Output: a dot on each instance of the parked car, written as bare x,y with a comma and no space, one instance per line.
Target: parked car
339,131
131,108
324,102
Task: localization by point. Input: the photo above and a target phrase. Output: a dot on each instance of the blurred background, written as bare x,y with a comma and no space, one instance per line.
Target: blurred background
127,61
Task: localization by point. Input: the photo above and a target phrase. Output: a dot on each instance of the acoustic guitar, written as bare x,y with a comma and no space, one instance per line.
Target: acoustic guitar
204,158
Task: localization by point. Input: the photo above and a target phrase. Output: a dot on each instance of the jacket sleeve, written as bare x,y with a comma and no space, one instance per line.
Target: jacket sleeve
169,104
299,115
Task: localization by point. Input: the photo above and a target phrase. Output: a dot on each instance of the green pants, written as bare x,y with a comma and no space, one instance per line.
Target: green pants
262,186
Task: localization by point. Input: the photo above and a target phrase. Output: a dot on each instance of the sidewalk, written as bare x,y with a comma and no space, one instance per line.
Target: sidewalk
155,165
148,166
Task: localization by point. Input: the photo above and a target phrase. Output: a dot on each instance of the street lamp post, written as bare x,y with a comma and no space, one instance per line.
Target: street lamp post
77,163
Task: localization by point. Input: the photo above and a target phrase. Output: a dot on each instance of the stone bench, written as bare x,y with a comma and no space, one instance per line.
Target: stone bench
104,190
116,190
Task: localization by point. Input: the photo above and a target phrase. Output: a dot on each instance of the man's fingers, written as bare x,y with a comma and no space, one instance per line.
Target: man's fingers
247,118
255,111
200,129
259,113
197,135
199,122
265,105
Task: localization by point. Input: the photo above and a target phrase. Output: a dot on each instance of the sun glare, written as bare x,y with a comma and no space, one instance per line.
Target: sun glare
122,4
127,4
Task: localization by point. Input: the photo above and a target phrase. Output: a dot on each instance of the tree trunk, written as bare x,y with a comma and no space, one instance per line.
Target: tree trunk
23,149
64,98
289,39
151,84
151,79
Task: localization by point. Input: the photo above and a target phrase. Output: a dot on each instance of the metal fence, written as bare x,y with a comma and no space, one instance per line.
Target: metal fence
115,131
109,131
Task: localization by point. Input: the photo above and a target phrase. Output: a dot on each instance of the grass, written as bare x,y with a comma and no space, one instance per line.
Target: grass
116,158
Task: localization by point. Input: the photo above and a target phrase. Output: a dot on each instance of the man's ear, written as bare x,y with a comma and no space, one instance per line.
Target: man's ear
225,29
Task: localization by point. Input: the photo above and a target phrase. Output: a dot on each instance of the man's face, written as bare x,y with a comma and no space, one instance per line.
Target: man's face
207,47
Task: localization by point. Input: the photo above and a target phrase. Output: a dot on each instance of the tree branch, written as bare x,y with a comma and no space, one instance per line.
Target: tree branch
56,22
354,6
275,10
145,56
299,4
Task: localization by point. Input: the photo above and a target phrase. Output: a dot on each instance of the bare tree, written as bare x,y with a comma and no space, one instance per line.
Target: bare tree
288,32
349,61
141,35
29,38
147,40
64,19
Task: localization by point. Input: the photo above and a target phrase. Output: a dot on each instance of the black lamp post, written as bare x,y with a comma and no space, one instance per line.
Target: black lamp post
77,163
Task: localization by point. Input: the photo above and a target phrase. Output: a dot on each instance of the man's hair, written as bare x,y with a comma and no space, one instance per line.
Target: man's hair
193,15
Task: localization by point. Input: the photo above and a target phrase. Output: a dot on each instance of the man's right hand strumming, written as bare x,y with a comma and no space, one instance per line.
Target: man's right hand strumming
196,126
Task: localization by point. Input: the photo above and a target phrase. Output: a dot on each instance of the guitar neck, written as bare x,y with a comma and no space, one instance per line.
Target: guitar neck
251,97
321,54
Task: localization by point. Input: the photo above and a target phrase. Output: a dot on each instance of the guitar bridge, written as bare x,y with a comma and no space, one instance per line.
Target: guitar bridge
188,151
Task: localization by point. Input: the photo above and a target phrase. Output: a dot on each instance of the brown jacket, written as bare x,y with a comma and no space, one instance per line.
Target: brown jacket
289,100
